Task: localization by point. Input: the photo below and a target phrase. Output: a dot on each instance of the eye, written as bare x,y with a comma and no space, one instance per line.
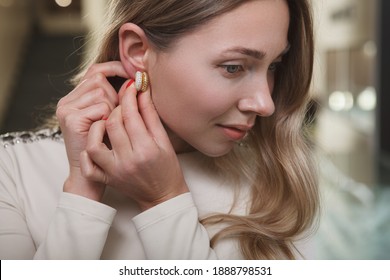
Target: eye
233,69
274,66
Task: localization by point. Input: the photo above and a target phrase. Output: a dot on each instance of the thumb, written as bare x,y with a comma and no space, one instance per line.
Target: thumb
123,89
150,115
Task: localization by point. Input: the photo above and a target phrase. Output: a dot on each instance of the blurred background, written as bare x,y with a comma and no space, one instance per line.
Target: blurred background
42,43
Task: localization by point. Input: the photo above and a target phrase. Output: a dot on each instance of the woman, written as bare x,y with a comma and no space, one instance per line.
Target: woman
208,160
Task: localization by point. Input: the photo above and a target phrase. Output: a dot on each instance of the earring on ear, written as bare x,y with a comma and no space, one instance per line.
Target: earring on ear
141,81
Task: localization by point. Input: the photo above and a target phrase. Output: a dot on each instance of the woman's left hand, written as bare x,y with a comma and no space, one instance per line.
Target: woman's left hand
141,162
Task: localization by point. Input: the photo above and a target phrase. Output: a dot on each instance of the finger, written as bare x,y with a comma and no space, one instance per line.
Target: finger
97,151
93,97
123,89
108,69
72,118
117,134
90,170
96,136
132,119
96,83
150,116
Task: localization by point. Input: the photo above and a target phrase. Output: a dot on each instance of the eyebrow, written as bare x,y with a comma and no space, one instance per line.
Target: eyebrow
259,55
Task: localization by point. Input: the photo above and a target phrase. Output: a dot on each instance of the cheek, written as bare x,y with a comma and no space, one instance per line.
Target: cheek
186,93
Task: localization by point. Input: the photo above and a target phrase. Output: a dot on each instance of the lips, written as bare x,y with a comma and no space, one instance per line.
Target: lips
235,132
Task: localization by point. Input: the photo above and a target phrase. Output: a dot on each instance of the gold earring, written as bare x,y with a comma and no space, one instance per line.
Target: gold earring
141,81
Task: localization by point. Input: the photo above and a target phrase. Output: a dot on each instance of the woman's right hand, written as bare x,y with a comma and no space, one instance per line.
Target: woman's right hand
92,100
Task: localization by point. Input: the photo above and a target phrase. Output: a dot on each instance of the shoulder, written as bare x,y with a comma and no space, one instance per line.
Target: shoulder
32,151
32,163
25,137
26,143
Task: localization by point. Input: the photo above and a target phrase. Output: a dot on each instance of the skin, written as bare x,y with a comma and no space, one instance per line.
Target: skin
92,100
208,91
198,97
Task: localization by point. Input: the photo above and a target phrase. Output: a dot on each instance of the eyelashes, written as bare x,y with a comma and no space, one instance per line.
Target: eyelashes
275,66
233,70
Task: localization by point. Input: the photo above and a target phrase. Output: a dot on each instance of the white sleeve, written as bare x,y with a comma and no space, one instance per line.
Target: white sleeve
78,230
15,237
171,230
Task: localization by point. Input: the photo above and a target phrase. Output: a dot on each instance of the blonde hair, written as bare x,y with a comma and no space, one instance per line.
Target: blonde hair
276,156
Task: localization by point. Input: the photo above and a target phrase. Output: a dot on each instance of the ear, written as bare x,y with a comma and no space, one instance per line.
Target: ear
133,47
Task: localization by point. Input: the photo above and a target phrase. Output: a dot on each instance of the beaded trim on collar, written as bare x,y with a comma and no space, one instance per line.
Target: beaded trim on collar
14,138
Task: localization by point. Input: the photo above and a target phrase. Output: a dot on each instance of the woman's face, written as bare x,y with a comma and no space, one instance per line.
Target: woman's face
212,85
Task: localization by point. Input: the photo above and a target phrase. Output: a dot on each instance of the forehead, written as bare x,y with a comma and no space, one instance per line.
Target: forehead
267,12
258,24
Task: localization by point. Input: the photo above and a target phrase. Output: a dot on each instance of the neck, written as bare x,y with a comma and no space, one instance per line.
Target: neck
179,145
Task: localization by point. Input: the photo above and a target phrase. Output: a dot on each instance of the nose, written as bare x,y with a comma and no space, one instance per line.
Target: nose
258,100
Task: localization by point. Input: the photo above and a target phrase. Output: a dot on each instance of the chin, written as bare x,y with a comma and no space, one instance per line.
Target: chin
218,152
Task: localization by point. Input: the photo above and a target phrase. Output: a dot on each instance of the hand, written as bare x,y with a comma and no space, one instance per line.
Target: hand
142,163
92,100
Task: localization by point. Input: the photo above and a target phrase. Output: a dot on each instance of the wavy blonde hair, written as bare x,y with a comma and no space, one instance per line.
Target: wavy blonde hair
277,156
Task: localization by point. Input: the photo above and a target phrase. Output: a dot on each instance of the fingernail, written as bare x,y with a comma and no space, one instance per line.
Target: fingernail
130,83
